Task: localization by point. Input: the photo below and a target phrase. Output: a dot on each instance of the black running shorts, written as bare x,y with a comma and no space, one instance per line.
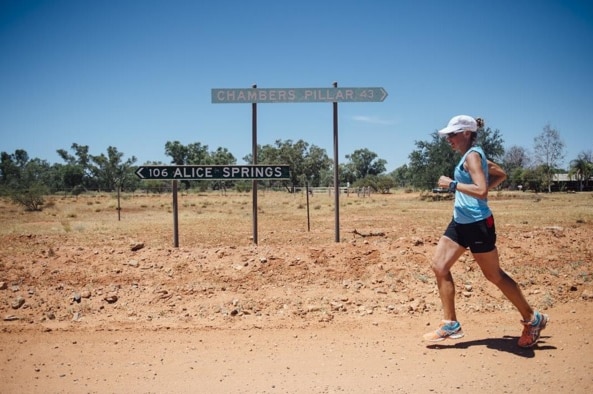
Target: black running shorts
479,237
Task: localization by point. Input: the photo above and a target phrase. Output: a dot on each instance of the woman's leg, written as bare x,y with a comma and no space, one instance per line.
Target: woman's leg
446,254
489,264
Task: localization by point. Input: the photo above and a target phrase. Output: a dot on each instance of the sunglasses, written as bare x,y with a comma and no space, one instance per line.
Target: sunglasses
451,135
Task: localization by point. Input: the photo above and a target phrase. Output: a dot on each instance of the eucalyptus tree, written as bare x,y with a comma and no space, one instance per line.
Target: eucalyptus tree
111,171
23,179
78,170
365,162
307,163
429,161
194,153
401,176
11,166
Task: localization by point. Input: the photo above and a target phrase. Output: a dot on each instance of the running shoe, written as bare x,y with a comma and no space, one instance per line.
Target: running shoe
447,329
532,329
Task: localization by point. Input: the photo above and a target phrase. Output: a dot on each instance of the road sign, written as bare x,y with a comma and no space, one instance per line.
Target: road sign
298,95
214,172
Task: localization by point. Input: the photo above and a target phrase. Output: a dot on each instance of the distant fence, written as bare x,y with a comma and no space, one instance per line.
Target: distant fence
166,187
360,191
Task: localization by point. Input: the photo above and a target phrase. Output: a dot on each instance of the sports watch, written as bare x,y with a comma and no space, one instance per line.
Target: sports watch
452,186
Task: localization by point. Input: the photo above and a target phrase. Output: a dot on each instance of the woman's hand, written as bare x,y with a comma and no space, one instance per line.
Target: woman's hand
444,181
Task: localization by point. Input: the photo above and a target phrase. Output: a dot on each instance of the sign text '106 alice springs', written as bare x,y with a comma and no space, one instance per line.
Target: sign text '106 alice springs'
189,172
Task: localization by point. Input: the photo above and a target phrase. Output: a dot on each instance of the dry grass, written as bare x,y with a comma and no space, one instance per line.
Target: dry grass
214,219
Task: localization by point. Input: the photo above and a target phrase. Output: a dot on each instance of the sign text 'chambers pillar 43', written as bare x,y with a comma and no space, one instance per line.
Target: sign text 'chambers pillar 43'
189,172
298,95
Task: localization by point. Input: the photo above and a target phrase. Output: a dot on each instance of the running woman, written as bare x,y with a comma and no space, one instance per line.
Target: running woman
473,227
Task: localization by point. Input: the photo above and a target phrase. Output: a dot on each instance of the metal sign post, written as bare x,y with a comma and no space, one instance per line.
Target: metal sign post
336,173
175,215
254,162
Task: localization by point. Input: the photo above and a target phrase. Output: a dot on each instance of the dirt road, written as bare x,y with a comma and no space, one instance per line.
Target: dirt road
370,356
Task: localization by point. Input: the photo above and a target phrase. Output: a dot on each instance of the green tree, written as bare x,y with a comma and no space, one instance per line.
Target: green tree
363,162
401,176
24,180
178,152
431,160
84,171
222,156
79,161
198,154
346,173
532,178
316,162
326,176
81,155
111,171
11,167
191,154
13,171
72,176
36,171
306,163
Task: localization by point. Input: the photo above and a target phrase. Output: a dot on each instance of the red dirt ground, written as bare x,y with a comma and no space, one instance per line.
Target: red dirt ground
111,306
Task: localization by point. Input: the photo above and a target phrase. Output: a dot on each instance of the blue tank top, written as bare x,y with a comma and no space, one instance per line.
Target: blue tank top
468,209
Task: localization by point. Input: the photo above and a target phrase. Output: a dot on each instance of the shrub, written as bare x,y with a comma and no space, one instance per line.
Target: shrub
32,198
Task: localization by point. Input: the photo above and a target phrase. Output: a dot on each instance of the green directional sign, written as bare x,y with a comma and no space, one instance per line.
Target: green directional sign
298,95
214,172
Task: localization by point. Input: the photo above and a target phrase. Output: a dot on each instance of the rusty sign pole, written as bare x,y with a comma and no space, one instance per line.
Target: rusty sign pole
175,216
336,172
254,162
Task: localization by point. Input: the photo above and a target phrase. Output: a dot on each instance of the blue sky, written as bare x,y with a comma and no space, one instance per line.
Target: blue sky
136,74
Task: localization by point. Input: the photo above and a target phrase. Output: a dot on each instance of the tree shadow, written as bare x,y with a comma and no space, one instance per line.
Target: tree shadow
505,344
